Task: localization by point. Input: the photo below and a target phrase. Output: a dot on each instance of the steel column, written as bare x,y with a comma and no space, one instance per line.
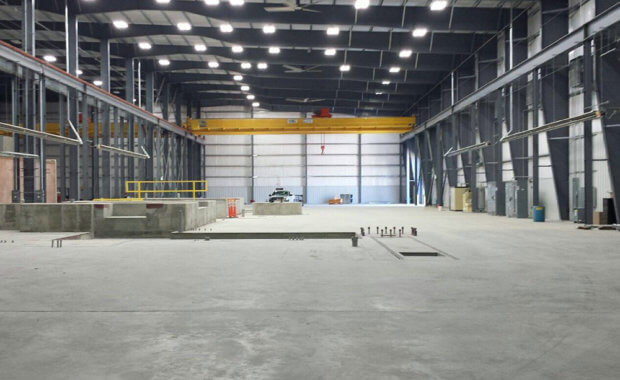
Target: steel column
29,101
15,119
105,120
587,130
86,146
535,165
117,140
71,33
608,79
42,152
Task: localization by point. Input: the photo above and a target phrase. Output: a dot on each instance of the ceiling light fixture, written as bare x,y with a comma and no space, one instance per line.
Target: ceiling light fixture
226,28
145,45
385,82
49,58
213,64
333,31
237,49
200,47
251,97
236,3
184,26
245,88
269,29
120,24
330,51
394,69
255,104
405,53
438,5
162,1
361,4
79,72
379,93
238,77
212,2
164,62
274,50
262,66
98,82
345,67
246,65
419,32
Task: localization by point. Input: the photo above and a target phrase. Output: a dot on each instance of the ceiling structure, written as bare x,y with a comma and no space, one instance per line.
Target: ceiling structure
280,49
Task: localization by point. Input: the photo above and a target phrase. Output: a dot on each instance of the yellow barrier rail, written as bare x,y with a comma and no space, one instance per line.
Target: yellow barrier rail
140,189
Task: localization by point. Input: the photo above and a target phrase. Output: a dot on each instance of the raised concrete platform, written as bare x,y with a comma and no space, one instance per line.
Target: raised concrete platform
276,208
109,219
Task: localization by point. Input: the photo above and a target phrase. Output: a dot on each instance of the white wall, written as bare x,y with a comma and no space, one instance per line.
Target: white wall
279,162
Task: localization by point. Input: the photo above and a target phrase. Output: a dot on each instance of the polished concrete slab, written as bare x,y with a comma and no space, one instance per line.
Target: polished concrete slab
514,300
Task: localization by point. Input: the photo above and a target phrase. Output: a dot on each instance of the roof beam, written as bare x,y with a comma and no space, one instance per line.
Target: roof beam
460,19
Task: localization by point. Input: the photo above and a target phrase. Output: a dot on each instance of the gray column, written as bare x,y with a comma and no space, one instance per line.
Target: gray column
95,152
165,100
129,96
15,197
86,181
105,120
535,156
150,90
41,196
71,33
117,136
359,168
587,131
29,102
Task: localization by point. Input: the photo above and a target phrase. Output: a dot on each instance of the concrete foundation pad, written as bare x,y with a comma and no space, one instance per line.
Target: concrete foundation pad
276,208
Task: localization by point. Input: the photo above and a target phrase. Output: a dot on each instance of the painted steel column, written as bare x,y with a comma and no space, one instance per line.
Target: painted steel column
587,130
252,171
177,108
130,80
86,182
62,171
42,152
165,99
535,165
500,194
359,168
95,152
116,191
71,33
105,121
149,78
141,143
608,85
29,101
15,197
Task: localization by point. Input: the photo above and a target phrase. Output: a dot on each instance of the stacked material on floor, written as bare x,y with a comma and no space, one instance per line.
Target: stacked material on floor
467,201
335,201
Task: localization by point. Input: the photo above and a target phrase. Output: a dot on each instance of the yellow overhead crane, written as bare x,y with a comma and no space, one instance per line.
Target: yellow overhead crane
300,126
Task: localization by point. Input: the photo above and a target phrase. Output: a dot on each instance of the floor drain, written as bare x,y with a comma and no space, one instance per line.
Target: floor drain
420,254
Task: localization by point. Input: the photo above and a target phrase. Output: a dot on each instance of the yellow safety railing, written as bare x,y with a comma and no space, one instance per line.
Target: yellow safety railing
140,187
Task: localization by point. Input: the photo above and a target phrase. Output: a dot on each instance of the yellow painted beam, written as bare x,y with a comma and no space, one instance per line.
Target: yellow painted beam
301,126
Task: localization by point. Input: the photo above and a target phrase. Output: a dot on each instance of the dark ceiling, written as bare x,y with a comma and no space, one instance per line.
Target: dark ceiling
301,77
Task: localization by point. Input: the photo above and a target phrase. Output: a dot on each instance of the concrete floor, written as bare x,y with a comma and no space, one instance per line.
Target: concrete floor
518,301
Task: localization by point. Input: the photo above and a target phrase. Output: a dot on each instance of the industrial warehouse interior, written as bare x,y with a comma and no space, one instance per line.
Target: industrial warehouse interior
309,189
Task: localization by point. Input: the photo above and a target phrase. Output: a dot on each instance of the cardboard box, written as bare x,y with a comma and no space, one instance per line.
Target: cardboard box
599,218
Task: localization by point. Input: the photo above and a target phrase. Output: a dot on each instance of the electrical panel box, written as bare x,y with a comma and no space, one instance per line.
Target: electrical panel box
516,199
490,198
